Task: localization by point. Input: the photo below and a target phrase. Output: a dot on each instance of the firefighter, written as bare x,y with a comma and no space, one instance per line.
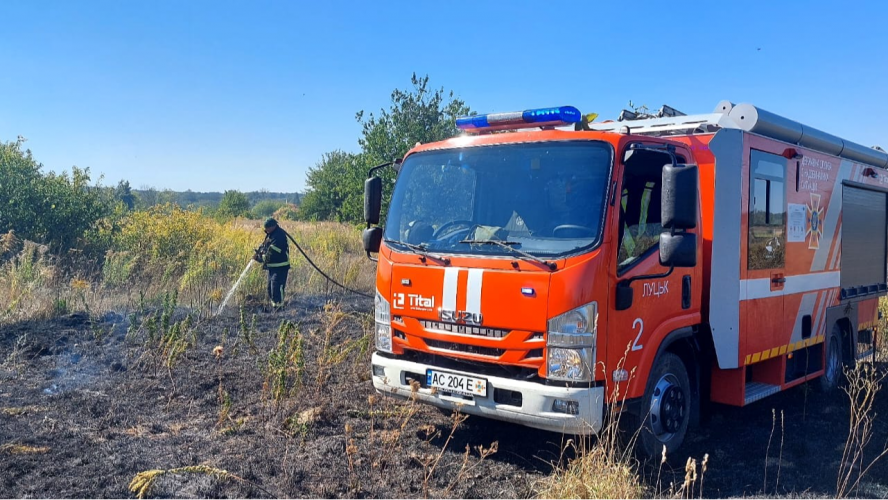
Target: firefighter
274,255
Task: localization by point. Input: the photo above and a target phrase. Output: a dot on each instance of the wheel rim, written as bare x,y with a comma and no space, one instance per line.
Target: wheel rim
833,363
669,408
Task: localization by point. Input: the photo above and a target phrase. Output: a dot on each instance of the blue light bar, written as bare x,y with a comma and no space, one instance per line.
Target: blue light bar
543,117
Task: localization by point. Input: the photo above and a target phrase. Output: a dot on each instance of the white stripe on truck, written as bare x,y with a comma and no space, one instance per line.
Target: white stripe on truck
473,299
451,282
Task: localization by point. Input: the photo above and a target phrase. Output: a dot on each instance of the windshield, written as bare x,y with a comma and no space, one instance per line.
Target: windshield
545,199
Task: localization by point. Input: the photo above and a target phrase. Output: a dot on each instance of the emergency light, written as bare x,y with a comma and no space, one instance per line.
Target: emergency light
543,117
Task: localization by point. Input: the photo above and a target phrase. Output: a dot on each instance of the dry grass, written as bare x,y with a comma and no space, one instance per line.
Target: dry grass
32,286
22,410
863,383
599,471
21,449
604,467
144,482
165,250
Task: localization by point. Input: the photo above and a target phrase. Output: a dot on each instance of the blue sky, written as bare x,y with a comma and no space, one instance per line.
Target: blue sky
227,95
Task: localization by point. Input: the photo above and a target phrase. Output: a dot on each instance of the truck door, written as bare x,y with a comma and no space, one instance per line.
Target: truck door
656,302
765,258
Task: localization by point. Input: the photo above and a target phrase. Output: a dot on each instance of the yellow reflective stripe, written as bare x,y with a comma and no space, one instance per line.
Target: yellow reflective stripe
278,264
276,249
628,241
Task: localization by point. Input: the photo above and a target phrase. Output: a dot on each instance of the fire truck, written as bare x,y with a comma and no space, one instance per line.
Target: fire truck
547,270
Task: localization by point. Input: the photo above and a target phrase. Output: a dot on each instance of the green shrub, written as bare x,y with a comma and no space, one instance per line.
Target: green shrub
55,209
266,208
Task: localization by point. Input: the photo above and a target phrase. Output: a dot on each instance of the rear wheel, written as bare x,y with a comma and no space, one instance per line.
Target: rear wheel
666,407
833,366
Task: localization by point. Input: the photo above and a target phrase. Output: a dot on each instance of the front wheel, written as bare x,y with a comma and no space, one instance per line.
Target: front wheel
666,407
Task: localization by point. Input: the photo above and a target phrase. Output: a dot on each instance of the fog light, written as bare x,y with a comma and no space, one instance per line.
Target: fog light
378,371
566,406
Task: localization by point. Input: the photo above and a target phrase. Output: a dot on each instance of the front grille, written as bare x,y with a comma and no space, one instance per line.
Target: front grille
534,354
464,348
484,368
463,329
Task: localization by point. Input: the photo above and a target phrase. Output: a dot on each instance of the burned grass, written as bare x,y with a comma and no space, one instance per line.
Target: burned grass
256,404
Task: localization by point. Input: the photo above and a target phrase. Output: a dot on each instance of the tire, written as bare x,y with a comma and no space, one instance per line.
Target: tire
666,407
833,372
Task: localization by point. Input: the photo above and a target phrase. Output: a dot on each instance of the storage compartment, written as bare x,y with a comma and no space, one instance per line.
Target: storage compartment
864,240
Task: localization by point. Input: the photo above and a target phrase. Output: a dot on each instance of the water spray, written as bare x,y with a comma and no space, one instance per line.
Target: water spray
233,288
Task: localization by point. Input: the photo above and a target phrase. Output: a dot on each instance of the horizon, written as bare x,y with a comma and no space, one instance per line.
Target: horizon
213,96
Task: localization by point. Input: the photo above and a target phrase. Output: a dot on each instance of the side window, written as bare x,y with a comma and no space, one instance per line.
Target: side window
767,211
640,226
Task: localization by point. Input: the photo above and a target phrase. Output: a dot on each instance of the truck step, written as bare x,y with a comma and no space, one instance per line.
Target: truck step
758,390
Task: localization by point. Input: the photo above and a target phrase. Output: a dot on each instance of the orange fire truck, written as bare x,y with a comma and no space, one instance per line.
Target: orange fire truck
542,268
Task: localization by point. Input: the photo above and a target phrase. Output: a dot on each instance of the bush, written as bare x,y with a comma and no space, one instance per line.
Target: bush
266,208
287,212
163,233
55,209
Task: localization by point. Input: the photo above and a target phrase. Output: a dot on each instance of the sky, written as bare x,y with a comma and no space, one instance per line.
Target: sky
217,95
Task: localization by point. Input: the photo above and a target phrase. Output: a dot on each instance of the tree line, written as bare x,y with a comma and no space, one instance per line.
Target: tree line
147,196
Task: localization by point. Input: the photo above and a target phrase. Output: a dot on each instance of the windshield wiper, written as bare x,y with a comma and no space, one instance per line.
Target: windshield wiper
420,250
509,245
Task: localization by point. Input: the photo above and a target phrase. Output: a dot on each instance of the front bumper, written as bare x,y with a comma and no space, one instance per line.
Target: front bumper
536,408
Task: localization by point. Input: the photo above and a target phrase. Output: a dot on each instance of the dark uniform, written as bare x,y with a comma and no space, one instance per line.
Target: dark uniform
275,254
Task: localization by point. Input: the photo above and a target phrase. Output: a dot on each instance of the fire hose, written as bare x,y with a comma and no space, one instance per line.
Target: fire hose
322,273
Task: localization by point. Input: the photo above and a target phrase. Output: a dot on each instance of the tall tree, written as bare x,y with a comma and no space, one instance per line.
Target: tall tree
124,193
331,188
418,114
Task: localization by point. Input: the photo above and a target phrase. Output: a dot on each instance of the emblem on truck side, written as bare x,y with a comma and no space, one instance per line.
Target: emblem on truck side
465,317
815,222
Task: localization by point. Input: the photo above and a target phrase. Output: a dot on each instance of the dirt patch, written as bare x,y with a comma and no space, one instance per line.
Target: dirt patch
102,402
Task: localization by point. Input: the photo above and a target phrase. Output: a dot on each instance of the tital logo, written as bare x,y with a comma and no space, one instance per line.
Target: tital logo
414,301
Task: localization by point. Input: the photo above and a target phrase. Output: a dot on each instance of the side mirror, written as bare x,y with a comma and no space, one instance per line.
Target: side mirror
372,200
678,250
679,197
624,296
372,237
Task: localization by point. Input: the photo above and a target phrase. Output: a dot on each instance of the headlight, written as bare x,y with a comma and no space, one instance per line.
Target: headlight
383,311
570,344
569,364
383,337
383,324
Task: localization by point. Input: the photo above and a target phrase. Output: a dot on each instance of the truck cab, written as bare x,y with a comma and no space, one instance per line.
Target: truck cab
541,276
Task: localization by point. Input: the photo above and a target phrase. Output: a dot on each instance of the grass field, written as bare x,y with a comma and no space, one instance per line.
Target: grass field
119,382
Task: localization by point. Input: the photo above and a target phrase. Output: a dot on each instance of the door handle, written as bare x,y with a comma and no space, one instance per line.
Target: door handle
779,280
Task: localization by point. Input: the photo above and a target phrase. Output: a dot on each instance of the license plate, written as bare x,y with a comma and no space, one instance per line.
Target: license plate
457,384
